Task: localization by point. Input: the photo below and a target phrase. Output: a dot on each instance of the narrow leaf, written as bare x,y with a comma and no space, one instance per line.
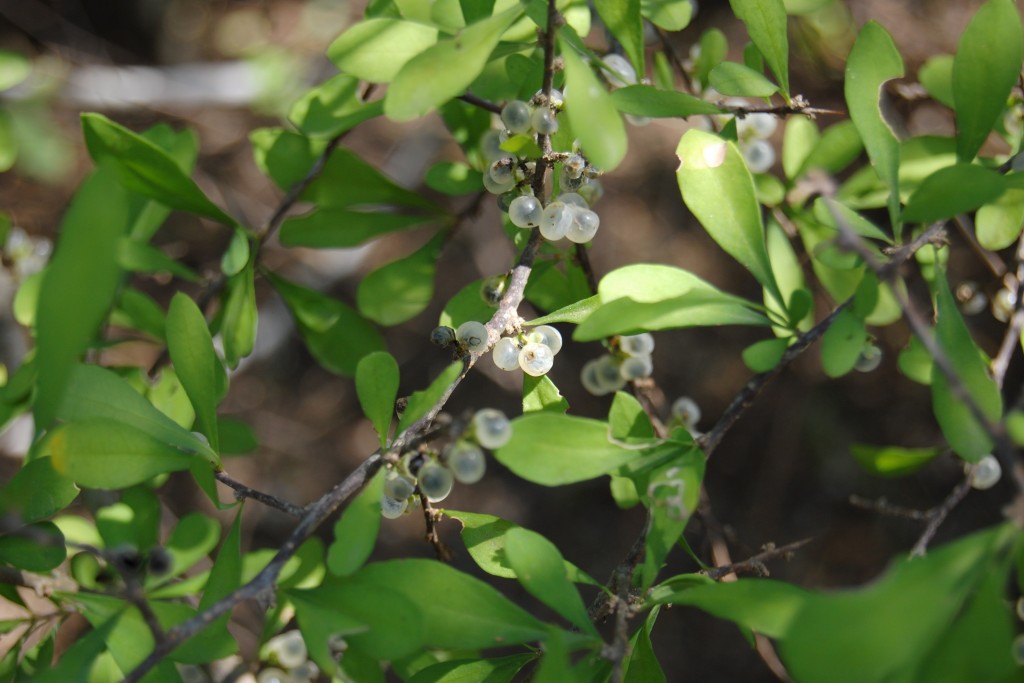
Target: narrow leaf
731,78
377,388
949,191
592,113
198,368
355,532
766,24
645,100
375,50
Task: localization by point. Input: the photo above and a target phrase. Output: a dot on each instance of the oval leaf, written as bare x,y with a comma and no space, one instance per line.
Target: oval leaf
731,78
377,388
401,289
766,24
592,113
949,191
199,370
375,50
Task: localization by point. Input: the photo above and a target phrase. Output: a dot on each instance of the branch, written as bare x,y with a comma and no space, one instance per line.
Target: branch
480,102
755,564
1011,339
242,491
430,517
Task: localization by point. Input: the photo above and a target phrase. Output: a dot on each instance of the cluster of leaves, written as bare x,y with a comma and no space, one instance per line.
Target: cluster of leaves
152,611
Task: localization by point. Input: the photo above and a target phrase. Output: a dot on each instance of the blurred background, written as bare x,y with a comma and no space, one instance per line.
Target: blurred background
226,68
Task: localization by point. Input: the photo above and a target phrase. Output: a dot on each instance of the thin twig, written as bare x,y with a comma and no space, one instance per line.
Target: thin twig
243,491
470,98
937,515
883,507
443,553
755,564
991,261
1001,363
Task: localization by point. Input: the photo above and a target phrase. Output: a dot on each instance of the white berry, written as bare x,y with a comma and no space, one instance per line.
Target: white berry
516,116
435,481
547,335
543,121
273,675
686,410
584,226
525,211
637,344
869,359
398,486
589,378
573,199
492,428
495,187
618,70
760,156
392,508
536,359
289,648
506,354
473,335
762,125
985,473
466,461
636,367
555,221
574,166
490,145
501,171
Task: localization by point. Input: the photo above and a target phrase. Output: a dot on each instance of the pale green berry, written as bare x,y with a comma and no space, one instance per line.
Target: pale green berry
472,335
636,367
985,473
495,187
1003,303
516,116
307,672
491,428
490,145
574,166
573,199
273,675
547,335
501,172
618,70
686,410
637,344
525,211
606,372
466,461
289,648
435,481
869,359
505,201
543,121
392,508
536,359
398,486
759,154
584,226
589,378
555,221
506,354
762,125
592,192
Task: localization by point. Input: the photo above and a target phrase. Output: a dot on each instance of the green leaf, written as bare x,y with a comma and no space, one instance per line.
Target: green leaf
238,324
14,68
766,24
400,290
719,190
484,537
936,75
622,18
146,168
467,304
985,70
333,107
497,670
193,538
765,355
915,362
641,665
968,438
444,70
237,254
26,550
713,49
829,212
139,311
892,461
671,15
591,112
133,520
336,335
670,493
838,147
422,401
575,449
540,393
998,224
225,576
375,50
459,611
573,313
342,227
355,532
191,350
37,491
628,421
539,566
842,343
522,146
377,388
554,666
873,61
731,78
645,100
800,139
949,191
105,454
453,178
236,436
140,257
655,297
77,662
78,288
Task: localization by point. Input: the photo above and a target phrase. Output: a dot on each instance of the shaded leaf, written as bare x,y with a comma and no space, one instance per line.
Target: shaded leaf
591,112
375,50
422,401
892,461
355,532
949,191
645,100
400,290
766,24
622,18
731,78
540,393
333,107
377,388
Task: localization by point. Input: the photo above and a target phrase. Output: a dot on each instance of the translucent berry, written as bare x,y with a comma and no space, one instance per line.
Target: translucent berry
1003,303
307,672
547,335
637,344
972,300
762,125
536,359
686,410
392,508
398,486
492,289
492,428
760,156
435,481
442,336
584,226
466,461
490,145
525,211
501,171
289,649
543,121
985,473
592,192
636,367
618,70
589,378
506,354
573,199
607,375
516,116
273,675
495,187
869,359
574,166
473,335
505,201
555,221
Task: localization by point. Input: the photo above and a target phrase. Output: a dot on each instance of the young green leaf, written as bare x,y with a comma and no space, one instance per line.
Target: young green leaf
628,421
998,224
28,552
453,178
766,24
238,325
873,61
892,461
952,190
140,257
801,137
718,189
191,349
645,100
422,401
670,493
332,108
842,343
21,495
936,75
554,666
497,670
341,227
985,70
444,70
355,532
539,566
671,15
237,254
642,664
375,50
540,393
764,355
377,388
591,112
622,18
400,290
193,538
146,168
731,78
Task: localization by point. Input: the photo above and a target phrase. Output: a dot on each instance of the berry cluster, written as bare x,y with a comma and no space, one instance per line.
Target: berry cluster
510,176
752,134
534,351
434,475
290,659
629,359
